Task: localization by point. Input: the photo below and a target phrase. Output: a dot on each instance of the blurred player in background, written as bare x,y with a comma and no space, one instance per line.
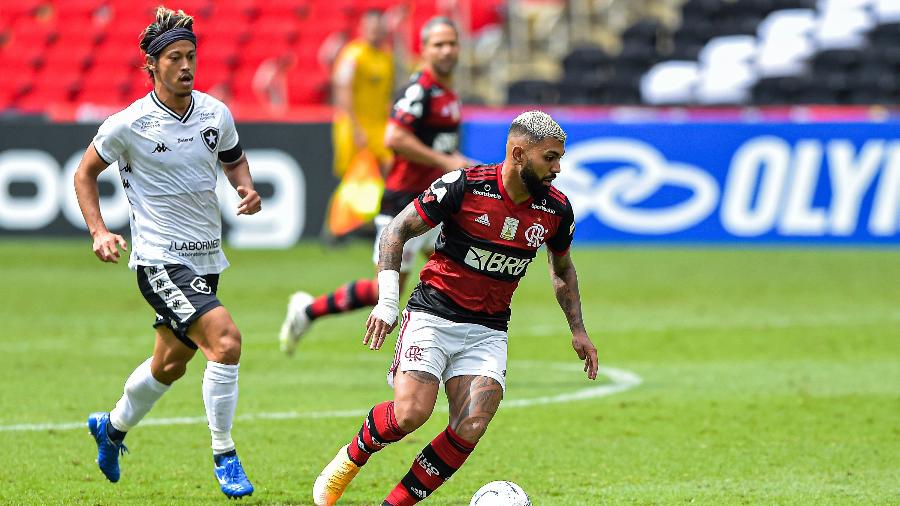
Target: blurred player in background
168,146
423,132
454,328
363,81
270,83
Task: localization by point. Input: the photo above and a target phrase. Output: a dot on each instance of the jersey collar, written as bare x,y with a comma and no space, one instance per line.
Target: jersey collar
159,103
509,201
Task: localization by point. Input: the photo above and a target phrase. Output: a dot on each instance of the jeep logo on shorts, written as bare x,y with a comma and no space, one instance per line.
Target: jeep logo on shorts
489,261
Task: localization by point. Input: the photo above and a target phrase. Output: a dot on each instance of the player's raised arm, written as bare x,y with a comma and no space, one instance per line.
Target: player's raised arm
565,285
383,319
106,244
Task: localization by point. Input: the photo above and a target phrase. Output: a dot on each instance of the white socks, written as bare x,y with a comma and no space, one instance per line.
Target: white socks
220,395
141,392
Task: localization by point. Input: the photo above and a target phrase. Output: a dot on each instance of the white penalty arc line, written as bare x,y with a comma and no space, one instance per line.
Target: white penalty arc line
621,381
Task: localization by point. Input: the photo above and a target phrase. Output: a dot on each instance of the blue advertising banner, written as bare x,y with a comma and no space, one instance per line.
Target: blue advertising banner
724,182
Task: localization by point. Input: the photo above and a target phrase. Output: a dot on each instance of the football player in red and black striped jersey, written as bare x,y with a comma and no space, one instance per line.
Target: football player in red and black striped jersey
423,133
495,218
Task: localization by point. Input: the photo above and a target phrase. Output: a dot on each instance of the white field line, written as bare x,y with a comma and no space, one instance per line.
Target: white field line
741,322
621,381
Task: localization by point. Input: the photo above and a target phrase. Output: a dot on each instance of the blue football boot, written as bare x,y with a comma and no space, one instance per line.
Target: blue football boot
231,476
108,451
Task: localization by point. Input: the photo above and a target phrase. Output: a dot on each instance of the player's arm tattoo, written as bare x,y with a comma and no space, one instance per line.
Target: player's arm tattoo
565,285
403,227
473,403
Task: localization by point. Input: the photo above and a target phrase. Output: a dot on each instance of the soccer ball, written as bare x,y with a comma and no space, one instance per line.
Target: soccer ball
500,493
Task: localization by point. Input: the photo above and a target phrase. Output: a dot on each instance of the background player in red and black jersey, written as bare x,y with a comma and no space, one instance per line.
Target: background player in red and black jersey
495,218
423,132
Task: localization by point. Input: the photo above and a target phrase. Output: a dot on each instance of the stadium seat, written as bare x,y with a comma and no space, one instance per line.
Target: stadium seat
736,49
532,92
842,24
886,11
576,92
686,44
587,60
780,90
670,83
785,42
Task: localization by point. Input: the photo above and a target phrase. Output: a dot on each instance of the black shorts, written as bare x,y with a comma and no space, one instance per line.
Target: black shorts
178,295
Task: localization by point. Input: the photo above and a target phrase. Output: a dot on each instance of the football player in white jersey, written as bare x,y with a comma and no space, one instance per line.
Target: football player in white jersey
168,146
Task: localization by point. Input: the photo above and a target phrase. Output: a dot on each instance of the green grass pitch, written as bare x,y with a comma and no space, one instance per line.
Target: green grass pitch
769,376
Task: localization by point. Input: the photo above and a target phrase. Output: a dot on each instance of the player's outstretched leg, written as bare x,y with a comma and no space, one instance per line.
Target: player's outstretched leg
434,465
379,429
295,322
108,449
303,309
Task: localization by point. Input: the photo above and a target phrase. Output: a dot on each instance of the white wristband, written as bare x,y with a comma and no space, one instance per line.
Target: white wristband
388,297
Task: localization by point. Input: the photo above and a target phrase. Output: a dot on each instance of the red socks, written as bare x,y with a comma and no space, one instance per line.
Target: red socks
434,465
378,430
353,295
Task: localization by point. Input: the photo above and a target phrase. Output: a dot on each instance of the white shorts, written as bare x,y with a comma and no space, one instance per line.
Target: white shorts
447,349
422,243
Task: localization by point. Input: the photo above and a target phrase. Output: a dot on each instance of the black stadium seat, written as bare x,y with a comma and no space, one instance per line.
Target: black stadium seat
587,61
532,92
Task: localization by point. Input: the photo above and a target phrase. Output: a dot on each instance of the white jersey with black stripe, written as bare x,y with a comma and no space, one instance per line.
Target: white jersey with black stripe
168,165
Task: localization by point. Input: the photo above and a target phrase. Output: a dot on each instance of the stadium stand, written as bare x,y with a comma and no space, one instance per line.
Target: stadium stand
732,53
84,53
779,53
71,54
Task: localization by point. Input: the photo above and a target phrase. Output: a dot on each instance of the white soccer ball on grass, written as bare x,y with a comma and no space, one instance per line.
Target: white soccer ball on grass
500,493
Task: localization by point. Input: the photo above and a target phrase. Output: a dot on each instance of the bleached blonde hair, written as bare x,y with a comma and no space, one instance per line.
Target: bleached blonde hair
537,126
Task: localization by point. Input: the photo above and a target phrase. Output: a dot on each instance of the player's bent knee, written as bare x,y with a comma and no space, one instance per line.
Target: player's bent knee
228,350
411,414
224,345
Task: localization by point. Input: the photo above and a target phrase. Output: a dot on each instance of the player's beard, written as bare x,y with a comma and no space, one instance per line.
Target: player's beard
533,183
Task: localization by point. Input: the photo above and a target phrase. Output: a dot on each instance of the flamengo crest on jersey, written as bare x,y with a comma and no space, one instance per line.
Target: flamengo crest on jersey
168,165
487,244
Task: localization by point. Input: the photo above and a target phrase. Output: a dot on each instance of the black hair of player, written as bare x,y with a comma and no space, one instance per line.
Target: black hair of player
166,19
429,25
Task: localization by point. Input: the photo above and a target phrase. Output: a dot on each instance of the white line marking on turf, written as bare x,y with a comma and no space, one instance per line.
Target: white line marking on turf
622,380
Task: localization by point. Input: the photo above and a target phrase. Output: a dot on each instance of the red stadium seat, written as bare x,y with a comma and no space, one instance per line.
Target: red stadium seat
238,11
284,8
16,82
64,57
95,43
22,57
6,99
76,13
78,35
